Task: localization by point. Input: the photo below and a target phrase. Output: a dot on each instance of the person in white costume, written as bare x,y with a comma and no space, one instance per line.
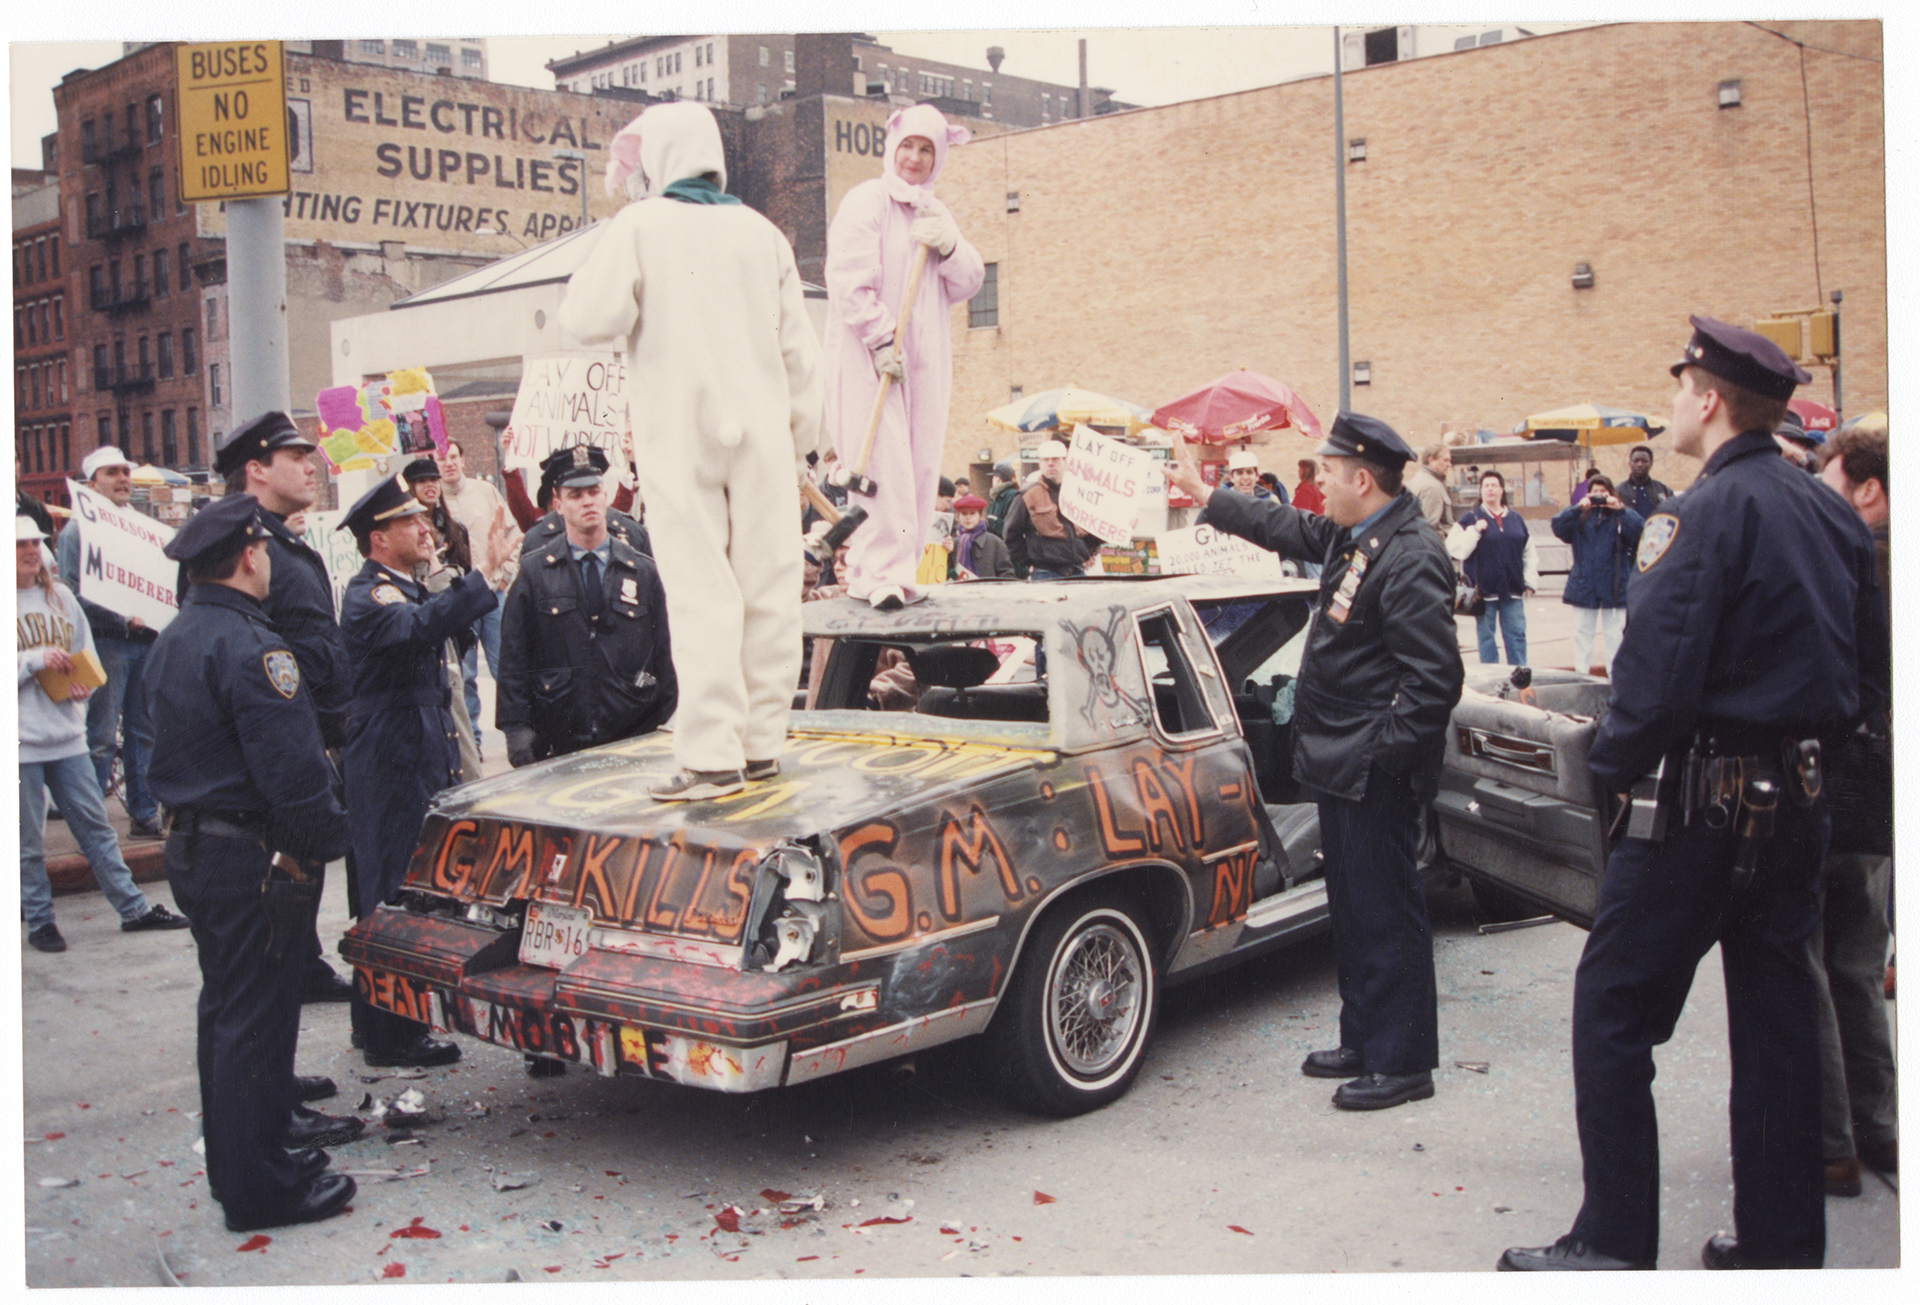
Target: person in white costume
703,295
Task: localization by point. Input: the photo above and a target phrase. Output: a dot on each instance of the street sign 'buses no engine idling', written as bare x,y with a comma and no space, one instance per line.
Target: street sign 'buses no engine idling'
232,98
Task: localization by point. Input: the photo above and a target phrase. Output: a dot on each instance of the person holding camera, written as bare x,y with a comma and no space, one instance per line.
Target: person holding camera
1605,533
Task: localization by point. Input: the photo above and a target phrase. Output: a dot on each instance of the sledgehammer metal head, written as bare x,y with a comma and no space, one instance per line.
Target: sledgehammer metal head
850,520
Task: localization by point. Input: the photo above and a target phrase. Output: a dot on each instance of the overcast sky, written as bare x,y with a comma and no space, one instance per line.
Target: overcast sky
1141,65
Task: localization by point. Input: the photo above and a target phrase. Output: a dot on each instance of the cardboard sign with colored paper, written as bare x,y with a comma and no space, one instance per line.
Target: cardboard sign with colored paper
399,413
576,397
1104,484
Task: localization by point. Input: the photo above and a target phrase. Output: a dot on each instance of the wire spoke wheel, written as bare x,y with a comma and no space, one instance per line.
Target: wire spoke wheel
1094,996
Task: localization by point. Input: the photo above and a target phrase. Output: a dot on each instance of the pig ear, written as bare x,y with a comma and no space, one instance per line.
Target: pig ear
893,120
957,135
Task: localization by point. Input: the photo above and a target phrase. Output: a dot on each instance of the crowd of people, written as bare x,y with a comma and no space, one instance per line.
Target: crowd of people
1744,620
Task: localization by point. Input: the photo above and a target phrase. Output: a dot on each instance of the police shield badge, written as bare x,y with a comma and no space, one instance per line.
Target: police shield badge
283,673
1654,540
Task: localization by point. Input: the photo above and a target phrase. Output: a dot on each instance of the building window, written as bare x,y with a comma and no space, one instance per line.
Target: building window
188,361
139,275
154,119
146,436
160,279
766,57
53,253
406,50
169,449
59,317
105,430
984,308
787,56
62,370
125,423
699,57
471,59
33,387
213,384
93,215
19,327
40,257
439,56
709,54
186,277
373,47
101,377
213,318
66,447
193,442
156,194
146,359
166,355
762,91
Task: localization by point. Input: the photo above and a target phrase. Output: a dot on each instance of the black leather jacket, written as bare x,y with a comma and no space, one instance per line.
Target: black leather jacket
578,682
1379,686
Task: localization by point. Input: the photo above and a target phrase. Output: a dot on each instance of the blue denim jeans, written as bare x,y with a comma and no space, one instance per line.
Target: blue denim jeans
73,786
487,628
1512,615
120,707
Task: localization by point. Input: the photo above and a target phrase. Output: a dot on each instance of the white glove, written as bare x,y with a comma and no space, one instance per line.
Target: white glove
886,362
936,230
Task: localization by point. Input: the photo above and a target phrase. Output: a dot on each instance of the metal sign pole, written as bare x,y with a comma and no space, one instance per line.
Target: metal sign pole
1340,224
257,308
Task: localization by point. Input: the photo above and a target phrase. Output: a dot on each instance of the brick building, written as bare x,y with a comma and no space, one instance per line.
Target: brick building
1153,250
42,366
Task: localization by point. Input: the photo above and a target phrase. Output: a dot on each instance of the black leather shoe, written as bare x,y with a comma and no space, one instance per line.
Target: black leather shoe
328,987
327,1196
1565,1254
1340,1062
312,1162
1722,1251
1379,1091
423,1052
157,917
311,1128
313,1087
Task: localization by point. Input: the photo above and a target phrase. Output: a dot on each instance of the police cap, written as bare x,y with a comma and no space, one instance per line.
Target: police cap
1353,435
387,501
220,526
573,468
421,469
1750,361
257,440
1792,427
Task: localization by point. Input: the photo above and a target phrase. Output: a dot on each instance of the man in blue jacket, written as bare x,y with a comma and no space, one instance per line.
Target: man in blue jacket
1604,533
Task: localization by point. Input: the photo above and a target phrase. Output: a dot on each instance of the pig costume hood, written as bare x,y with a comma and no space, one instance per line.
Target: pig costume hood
919,120
668,143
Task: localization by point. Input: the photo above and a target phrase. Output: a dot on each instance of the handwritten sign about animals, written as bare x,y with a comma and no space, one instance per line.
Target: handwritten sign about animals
576,397
122,567
1104,485
1203,550
398,414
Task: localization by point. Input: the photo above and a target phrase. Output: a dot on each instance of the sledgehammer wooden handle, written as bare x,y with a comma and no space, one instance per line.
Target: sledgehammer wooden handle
859,483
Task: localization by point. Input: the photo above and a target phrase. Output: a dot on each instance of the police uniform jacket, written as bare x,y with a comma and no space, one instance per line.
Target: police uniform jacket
234,732
1738,615
574,681
1381,672
550,528
300,605
401,742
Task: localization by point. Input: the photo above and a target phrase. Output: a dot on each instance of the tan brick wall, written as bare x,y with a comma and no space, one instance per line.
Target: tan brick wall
1156,249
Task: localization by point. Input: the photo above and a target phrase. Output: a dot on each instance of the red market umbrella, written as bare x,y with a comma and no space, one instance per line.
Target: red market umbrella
1815,416
1237,405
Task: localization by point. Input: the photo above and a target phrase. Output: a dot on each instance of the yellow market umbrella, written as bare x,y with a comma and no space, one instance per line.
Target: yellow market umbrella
1061,409
1590,424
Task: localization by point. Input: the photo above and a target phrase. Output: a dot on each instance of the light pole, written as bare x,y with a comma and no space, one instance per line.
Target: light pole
576,154
1340,224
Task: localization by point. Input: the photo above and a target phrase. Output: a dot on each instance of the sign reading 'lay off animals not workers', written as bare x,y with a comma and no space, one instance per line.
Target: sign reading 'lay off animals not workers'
576,397
232,98
122,567
1104,484
397,414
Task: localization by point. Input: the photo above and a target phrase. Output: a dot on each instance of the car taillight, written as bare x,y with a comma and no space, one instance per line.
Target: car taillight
796,914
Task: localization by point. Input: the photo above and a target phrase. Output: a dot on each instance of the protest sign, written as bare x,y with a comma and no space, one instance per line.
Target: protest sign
336,548
1104,484
1203,550
399,413
122,567
577,397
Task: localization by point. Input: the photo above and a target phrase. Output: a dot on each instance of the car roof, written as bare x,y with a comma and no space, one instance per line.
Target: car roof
998,606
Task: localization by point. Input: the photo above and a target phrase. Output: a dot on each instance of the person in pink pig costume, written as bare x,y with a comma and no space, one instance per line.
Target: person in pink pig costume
870,255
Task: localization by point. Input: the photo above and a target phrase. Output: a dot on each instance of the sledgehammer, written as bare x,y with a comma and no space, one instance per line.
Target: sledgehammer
857,480
843,524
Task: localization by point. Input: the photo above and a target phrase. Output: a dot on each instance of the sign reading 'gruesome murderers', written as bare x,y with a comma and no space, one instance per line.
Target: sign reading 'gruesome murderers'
438,163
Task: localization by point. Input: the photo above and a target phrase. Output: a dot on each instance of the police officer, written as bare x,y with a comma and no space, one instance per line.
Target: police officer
1377,686
270,459
402,747
238,763
551,528
584,655
1753,608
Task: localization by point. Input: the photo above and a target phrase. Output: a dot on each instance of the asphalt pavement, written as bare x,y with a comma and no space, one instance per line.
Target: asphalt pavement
1222,1160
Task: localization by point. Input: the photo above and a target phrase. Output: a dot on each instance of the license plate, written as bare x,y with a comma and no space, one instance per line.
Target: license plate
554,936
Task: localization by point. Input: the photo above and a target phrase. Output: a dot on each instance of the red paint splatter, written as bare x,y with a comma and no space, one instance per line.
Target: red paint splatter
464,1228
885,1218
394,1269
728,1220
950,1232
55,1137
1041,1198
418,1228
614,1173
1234,1227
554,1268
257,1242
86,1105
802,1259
673,1237
774,1195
